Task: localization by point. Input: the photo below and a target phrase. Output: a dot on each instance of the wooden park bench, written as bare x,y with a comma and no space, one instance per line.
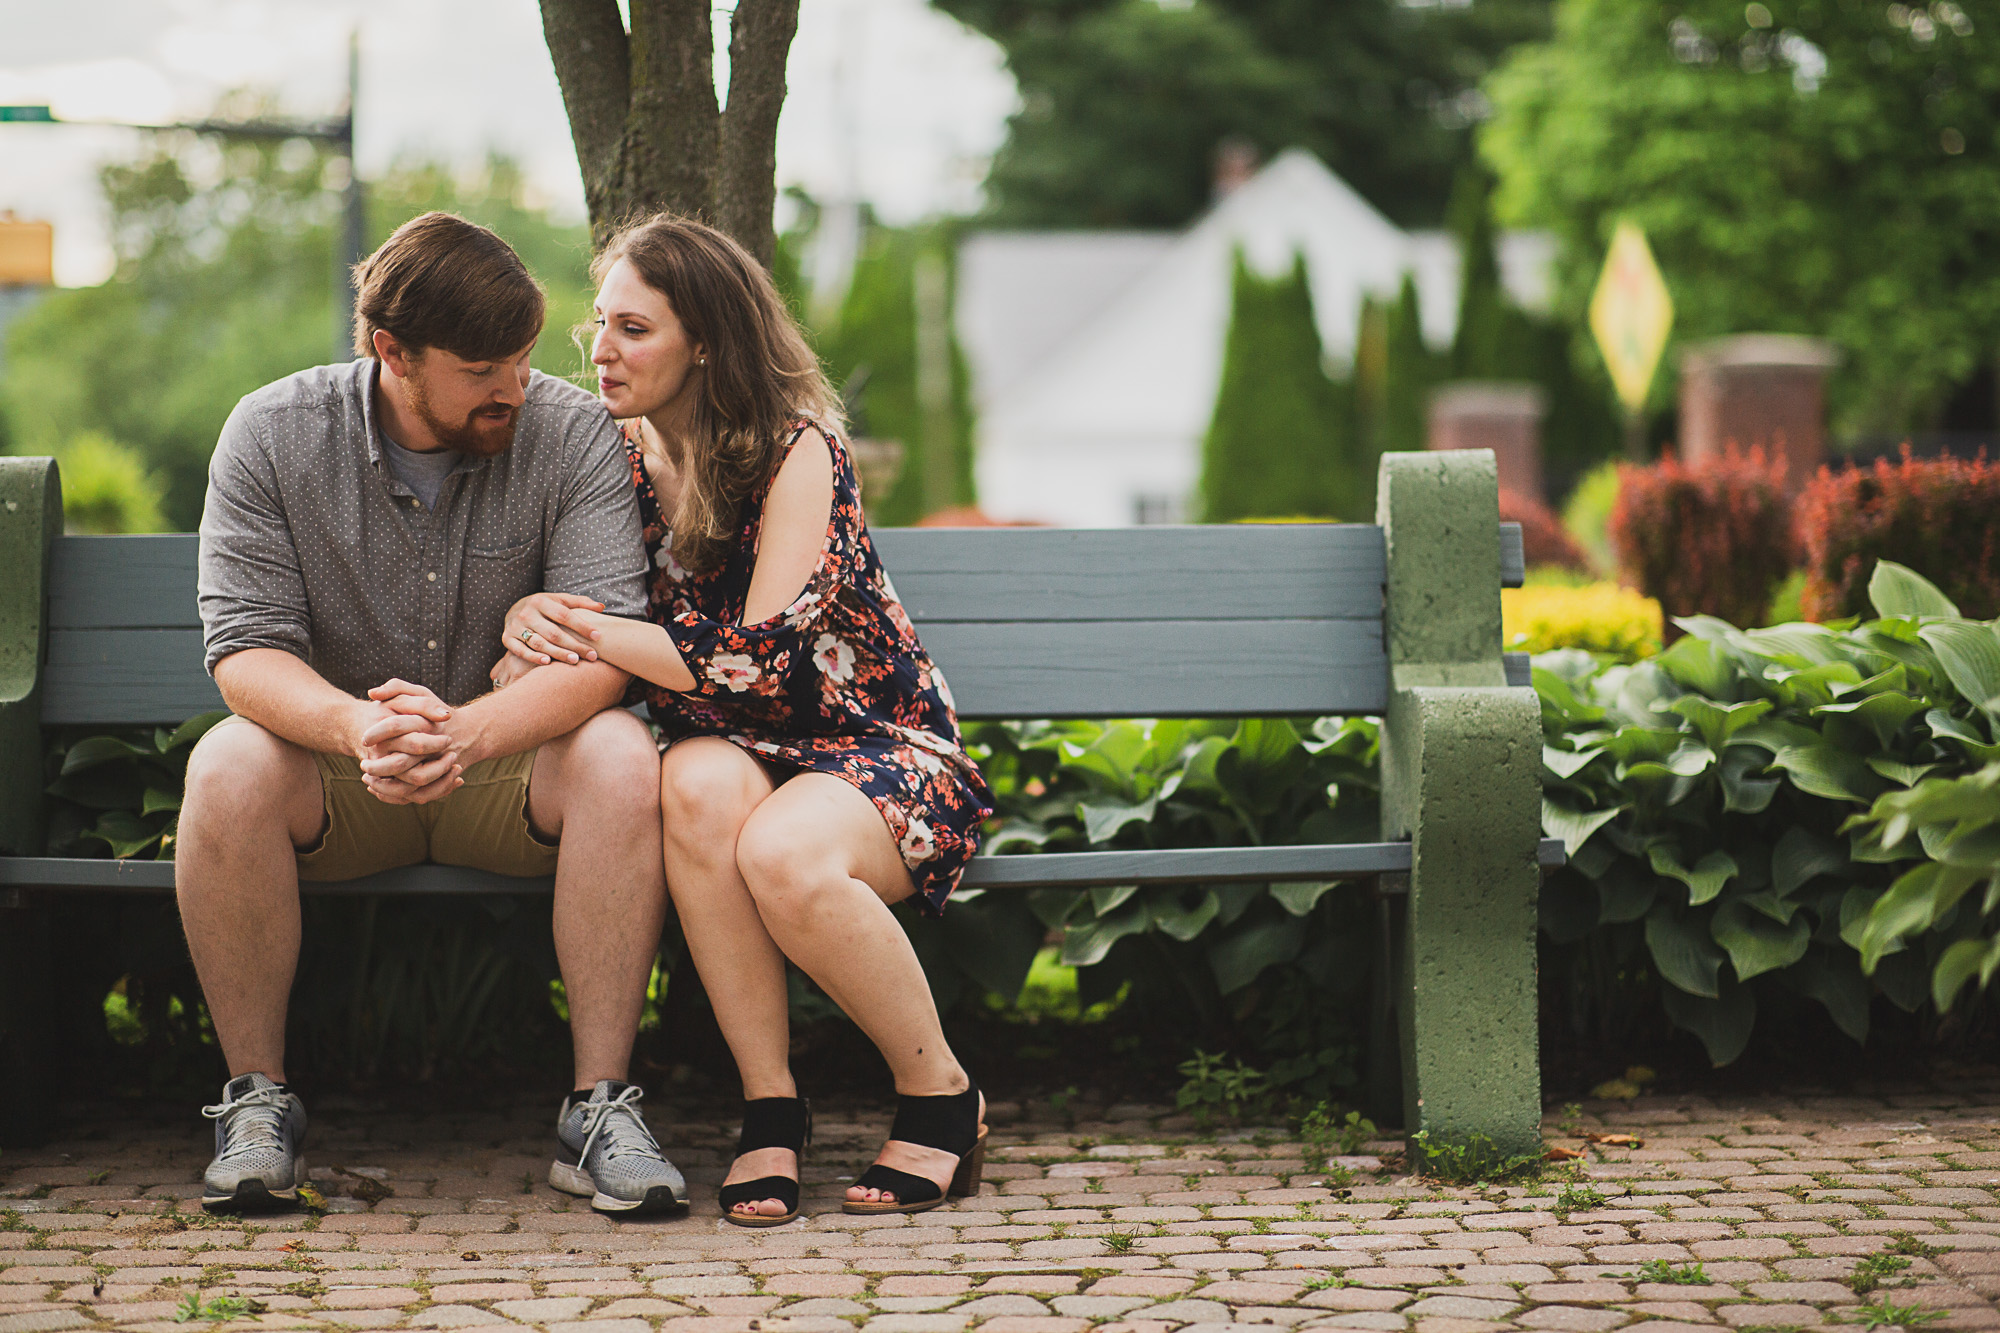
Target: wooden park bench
1399,620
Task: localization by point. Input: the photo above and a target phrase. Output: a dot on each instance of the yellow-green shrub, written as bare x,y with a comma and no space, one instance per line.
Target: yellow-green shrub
1587,515
1597,617
107,488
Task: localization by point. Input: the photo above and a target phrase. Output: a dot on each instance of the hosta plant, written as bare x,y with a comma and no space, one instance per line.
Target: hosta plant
1708,800
122,792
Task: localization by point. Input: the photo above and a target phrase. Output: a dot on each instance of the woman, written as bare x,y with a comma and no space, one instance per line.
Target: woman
812,773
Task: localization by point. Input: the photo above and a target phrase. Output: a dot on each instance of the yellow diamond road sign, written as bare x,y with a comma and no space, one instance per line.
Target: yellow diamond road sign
1631,313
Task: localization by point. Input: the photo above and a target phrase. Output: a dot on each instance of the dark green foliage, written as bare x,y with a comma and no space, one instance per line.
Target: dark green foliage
871,352
1410,371
1836,172
1124,102
1489,343
1276,970
1497,340
1712,801
1122,111
1281,441
120,795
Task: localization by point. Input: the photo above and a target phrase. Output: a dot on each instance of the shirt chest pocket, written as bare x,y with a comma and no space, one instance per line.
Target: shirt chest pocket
492,579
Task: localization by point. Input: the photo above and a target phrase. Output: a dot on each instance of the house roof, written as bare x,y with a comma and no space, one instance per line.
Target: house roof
1120,333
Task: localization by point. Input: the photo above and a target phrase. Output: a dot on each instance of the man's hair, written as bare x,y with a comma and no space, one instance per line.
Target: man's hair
440,281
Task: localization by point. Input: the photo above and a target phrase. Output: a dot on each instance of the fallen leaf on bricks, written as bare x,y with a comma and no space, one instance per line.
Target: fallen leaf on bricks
364,1185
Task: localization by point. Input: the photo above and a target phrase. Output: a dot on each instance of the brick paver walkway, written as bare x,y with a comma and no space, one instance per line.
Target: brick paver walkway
1129,1219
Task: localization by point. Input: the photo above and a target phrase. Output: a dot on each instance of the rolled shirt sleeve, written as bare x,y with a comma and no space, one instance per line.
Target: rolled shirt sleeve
594,547
249,585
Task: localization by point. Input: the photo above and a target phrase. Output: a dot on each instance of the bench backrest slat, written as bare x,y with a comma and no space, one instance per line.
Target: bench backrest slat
1226,572
1024,622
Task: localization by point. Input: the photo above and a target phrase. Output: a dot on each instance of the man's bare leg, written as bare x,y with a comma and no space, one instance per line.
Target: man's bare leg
252,800
597,789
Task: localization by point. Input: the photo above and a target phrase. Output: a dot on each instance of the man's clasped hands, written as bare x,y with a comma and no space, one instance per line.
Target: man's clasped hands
407,757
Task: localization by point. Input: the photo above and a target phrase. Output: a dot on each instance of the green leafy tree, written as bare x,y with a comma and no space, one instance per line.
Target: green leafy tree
1497,340
1410,370
1813,166
873,351
106,487
1281,442
1124,102
224,283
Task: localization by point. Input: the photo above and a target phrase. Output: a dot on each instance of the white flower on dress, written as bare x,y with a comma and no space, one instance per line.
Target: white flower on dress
944,690
917,844
927,761
665,560
833,657
803,610
735,670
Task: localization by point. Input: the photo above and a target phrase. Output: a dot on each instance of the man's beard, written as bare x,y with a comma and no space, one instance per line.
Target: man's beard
479,434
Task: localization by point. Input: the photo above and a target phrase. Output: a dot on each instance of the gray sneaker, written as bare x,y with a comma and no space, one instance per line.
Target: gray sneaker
259,1130
604,1150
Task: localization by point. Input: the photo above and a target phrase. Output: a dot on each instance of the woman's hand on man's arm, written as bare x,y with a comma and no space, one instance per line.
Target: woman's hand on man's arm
541,628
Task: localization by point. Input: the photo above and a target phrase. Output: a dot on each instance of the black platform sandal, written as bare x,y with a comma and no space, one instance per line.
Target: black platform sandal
769,1122
951,1123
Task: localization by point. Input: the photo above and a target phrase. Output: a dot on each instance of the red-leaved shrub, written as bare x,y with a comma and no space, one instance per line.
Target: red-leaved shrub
1939,516
1713,538
1543,538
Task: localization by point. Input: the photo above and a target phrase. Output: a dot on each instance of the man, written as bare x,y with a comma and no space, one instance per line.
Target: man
367,526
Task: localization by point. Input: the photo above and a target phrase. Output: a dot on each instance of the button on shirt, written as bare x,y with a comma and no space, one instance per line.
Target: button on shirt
311,544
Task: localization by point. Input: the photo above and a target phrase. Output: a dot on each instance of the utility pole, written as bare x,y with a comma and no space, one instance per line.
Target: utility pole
339,133
353,222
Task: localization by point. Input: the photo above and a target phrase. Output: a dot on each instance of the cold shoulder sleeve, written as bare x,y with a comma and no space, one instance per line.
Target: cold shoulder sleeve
731,661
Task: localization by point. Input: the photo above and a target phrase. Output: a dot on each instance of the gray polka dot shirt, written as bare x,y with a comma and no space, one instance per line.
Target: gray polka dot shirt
310,544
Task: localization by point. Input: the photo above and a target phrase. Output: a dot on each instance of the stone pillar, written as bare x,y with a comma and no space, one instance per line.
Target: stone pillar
1503,417
1755,389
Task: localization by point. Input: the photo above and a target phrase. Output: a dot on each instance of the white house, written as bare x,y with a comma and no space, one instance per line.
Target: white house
1095,356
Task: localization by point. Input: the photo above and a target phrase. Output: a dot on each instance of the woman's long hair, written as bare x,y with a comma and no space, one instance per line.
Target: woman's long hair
760,379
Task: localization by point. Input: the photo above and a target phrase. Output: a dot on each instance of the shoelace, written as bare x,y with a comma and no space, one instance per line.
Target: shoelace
256,1117
625,1134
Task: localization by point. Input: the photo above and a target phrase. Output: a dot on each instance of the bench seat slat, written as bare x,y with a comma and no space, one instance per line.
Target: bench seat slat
1193,865
1120,668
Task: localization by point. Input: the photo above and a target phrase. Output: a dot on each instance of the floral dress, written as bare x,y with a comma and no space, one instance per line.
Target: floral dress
835,683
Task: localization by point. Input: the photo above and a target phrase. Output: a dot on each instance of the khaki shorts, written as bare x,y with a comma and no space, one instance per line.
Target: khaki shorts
483,825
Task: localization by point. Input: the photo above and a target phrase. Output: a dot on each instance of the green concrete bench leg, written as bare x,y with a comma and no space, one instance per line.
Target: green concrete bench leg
30,519
1461,779
1468,775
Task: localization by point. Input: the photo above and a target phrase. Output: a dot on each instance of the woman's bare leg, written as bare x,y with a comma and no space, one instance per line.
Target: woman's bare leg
819,862
708,787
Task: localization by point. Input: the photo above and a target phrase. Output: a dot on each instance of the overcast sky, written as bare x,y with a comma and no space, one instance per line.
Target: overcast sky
888,94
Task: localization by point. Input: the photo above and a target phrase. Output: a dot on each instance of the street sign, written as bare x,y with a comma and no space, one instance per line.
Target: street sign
27,252
37,114
1631,313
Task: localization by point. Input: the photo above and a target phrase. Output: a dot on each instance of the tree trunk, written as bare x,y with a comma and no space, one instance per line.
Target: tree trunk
643,115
